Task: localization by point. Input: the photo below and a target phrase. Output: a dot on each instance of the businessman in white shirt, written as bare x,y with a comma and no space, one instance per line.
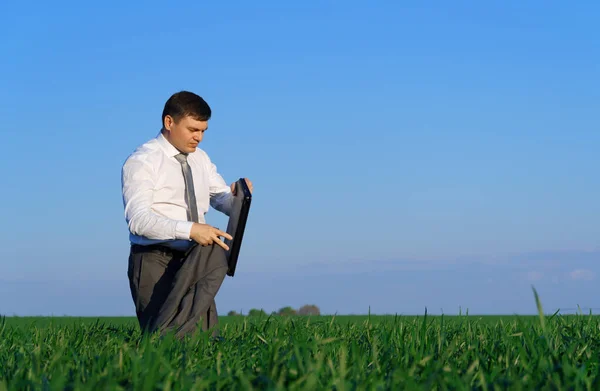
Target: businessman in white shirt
168,184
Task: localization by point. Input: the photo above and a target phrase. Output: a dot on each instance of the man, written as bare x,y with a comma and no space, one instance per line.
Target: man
168,184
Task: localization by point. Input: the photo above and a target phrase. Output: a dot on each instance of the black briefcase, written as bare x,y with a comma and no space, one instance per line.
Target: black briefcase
237,223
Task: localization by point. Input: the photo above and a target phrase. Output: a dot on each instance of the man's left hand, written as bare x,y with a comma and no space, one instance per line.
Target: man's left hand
248,182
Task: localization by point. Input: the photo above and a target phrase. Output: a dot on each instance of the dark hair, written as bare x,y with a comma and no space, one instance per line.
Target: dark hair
184,103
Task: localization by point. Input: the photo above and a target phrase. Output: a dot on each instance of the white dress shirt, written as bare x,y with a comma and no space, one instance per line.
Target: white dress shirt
154,193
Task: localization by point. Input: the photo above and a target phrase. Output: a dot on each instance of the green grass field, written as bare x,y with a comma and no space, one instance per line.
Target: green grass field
306,353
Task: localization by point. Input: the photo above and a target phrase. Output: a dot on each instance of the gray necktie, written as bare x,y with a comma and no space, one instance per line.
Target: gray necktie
190,196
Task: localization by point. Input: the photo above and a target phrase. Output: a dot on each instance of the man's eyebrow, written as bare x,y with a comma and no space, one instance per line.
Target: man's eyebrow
196,129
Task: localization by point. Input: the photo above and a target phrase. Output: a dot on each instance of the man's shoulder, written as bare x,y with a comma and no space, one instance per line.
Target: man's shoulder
201,156
144,153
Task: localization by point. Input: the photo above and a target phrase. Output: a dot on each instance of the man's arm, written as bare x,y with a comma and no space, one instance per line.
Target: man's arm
221,197
137,184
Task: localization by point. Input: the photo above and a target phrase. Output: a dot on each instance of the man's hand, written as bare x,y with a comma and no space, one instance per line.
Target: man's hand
247,182
206,235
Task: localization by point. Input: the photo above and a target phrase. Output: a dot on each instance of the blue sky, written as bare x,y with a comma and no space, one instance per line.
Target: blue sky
404,155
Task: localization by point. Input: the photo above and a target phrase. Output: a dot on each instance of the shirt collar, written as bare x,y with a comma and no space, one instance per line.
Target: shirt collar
169,149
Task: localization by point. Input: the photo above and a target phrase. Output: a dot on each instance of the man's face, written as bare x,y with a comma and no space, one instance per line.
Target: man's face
186,134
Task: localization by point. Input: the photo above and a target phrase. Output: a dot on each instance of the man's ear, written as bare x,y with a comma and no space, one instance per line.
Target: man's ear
168,122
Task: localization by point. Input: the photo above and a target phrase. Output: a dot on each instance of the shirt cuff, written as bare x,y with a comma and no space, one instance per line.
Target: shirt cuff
183,229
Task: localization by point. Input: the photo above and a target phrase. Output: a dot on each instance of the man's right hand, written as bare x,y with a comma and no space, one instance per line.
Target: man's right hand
205,235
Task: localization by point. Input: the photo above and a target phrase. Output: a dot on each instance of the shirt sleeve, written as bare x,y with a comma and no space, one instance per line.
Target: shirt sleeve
221,197
137,181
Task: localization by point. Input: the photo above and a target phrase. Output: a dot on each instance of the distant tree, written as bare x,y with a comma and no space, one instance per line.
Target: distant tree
256,312
232,313
286,311
309,309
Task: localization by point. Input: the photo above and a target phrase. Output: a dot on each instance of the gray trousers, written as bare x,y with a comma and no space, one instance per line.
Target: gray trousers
174,291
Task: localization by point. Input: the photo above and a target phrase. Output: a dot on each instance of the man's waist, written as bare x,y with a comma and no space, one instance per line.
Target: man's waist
144,244
138,248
